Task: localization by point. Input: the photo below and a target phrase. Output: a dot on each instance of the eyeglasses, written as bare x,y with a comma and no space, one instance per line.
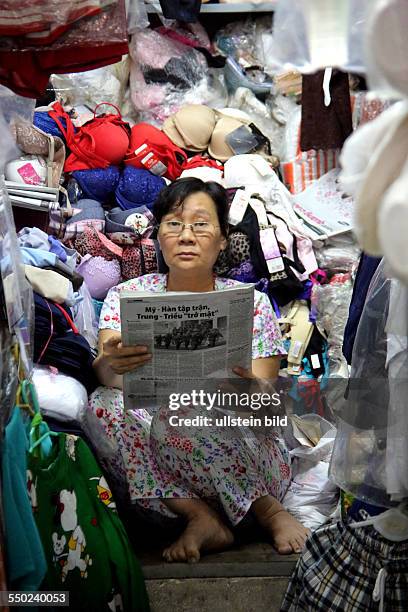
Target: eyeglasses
199,228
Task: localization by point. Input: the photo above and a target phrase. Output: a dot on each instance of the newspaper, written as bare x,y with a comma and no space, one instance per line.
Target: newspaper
191,336
325,209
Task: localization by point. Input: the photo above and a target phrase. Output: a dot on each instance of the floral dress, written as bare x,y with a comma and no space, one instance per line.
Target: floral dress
227,470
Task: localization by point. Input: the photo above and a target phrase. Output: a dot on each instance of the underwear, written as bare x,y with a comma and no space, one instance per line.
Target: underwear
98,184
152,150
138,187
100,143
99,275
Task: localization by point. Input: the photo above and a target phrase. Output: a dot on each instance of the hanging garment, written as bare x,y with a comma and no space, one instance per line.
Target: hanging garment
87,549
89,43
325,127
341,569
366,268
26,563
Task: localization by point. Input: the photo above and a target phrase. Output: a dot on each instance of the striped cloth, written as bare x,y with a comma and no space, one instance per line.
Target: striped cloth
349,571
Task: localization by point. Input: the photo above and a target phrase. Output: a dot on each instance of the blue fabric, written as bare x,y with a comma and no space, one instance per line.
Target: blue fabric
138,187
366,268
25,555
98,307
43,121
98,184
38,257
89,209
57,248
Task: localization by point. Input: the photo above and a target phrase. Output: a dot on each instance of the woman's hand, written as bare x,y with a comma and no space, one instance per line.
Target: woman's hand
243,372
122,359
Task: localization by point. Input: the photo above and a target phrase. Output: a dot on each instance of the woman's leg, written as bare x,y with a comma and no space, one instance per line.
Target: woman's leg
205,531
288,535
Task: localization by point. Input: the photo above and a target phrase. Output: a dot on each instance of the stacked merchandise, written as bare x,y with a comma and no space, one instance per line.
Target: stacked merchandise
59,525
108,158
110,168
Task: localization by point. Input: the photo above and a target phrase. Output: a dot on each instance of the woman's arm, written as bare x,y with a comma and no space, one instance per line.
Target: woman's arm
114,359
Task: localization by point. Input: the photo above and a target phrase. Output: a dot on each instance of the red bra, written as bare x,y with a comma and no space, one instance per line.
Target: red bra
100,143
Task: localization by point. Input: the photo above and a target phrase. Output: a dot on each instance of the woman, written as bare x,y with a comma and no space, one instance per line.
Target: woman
173,474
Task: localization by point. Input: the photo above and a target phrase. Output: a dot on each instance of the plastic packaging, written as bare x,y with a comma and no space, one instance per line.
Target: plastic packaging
261,114
386,48
107,84
333,302
190,34
136,13
11,105
338,254
18,295
312,498
312,34
301,168
241,42
60,397
371,442
85,317
164,75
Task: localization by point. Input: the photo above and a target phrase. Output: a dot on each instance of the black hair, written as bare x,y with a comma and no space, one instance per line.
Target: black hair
173,196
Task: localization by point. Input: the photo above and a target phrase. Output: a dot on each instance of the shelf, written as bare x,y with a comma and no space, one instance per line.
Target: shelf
239,7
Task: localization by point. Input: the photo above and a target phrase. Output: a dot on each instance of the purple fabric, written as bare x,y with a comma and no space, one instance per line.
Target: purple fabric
138,187
57,248
98,184
244,273
307,291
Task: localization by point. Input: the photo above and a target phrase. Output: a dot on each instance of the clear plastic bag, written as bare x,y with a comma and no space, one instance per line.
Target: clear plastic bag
107,84
18,295
60,397
165,75
136,13
338,254
332,303
312,34
386,48
370,452
12,105
85,318
311,497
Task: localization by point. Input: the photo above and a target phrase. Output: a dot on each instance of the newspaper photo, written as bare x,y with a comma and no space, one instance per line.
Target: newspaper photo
191,336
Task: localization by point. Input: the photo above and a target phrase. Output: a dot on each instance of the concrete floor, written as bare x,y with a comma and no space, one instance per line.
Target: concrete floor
249,577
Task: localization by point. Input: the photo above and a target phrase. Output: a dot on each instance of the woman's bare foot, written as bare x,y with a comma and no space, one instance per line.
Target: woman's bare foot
288,535
204,532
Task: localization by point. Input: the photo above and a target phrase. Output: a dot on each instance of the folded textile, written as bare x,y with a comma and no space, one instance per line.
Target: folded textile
57,343
50,284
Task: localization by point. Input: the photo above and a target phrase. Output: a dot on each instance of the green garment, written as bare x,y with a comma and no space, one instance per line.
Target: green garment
87,549
26,564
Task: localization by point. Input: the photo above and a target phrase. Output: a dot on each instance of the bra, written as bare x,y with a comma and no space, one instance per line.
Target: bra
98,183
138,187
100,143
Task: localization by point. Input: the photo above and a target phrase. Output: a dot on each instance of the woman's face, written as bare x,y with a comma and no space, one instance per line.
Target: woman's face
188,251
